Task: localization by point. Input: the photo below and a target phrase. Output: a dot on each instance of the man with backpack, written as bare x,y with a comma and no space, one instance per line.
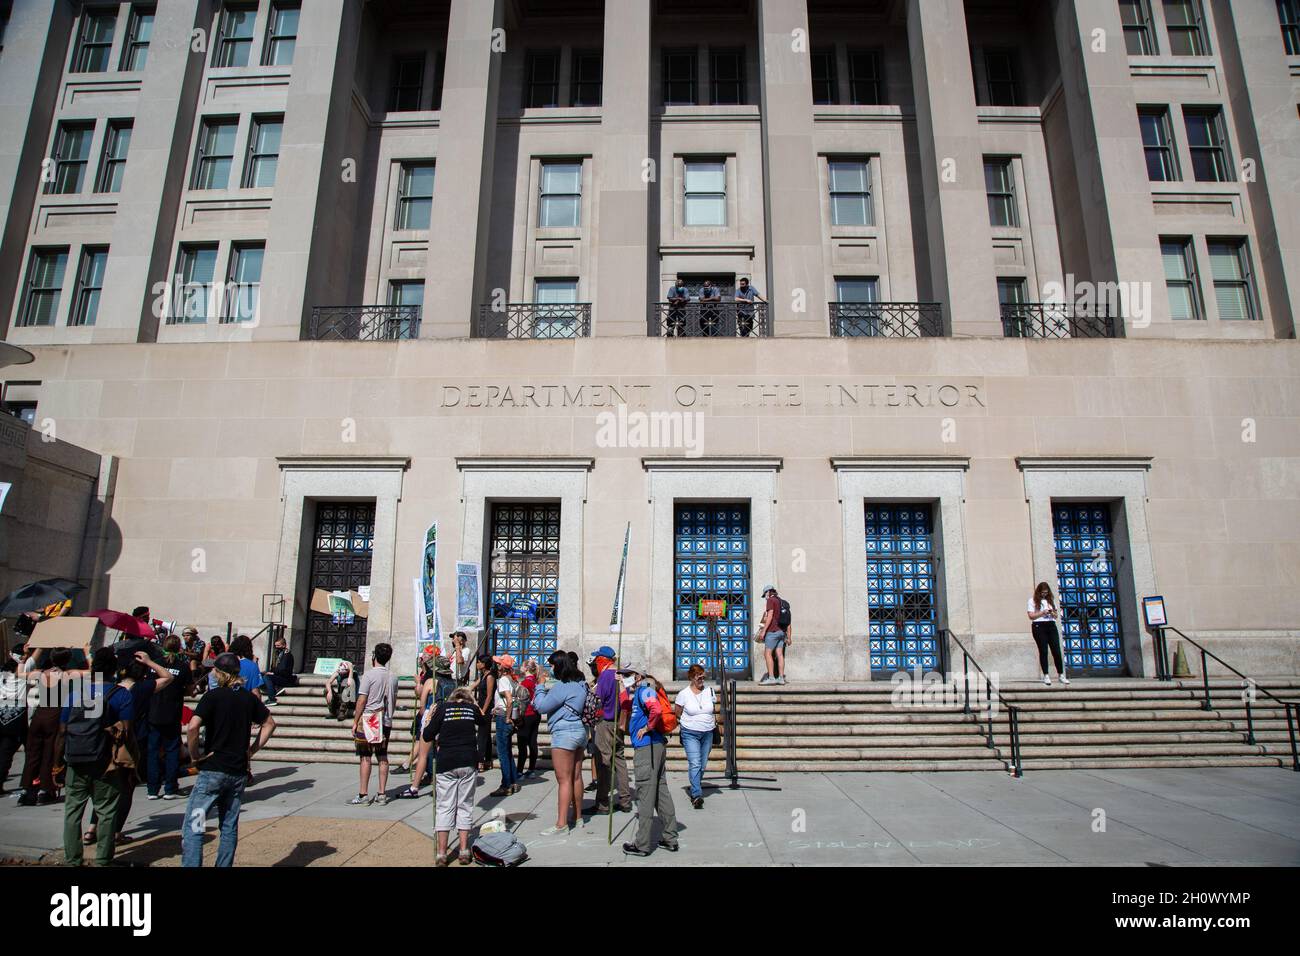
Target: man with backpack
774,631
652,720
610,762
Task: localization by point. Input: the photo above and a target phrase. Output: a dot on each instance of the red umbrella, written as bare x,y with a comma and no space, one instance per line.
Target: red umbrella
121,621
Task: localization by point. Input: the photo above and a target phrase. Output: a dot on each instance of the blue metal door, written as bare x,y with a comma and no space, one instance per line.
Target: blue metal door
1085,572
902,621
712,561
526,540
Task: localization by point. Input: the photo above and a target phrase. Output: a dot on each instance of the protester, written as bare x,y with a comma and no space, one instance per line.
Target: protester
227,715
484,691
433,693
502,703
249,672
162,728
694,709
453,728
13,716
527,727
774,630
42,750
650,760
281,674
611,766
561,700
373,723
462,659
1045,617
341,691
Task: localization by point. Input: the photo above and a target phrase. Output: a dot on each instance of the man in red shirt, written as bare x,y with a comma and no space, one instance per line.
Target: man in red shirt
775,638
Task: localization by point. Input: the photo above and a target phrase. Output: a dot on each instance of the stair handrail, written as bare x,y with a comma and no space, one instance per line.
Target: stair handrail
990,691
1290,707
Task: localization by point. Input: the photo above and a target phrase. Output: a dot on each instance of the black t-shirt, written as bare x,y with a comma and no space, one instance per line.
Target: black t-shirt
166,705
455,727
229,716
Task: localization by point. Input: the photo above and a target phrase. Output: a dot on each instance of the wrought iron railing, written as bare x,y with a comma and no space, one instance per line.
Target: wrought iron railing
898,320
990,694
709,320
364,323
1057,320
534,320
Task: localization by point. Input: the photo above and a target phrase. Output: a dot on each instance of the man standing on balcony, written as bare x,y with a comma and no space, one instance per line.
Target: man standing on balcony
710,308
746,295
678,299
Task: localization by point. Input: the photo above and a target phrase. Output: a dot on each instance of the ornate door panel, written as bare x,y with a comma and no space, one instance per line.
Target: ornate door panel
1085,572
526,545
340,560
902,623
712,560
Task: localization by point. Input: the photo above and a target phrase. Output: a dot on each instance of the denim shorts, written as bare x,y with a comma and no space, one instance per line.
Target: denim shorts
773,639
567,737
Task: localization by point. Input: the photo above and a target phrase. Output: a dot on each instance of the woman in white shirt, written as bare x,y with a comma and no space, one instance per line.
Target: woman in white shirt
501,702
1045,617
694,709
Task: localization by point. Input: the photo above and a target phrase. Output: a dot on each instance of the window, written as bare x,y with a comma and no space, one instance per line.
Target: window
243,289
415,196
856,290
1233,285
1000,184
196,268
406,293
234,35
90,282
706,193
1139,37
825,89
216,154
282,34
44,286
1183,21
1180,278
1207,144
94,40
1001,78
1011,292
854,314
587,67
70,157
408,83
680,78
263,152
866,81
1288,14
112,163
727,77
542,86
1158,144
408,296
26,411
555,323
850,188
561,196
139,31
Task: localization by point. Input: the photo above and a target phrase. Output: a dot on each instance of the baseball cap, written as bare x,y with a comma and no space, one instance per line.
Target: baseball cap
228,663
505,660
603,651
768,588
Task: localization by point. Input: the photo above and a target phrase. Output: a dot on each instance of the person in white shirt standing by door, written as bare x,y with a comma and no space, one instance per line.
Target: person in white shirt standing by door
694,707
1046,617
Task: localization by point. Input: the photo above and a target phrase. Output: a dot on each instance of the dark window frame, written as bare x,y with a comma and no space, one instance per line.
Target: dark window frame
1191,279
406,201
1164,151
865,193
873,81
186,256
543,196
400,91
1005,90
85,47
1288,17
133,45
828,80
1141,33
203,159
1005,198
227,41
582,89
545,90
1195,34
109,161
719,94
61,162
253,159
687,162
1217,150
232,293
672,85
275,41
83,290
32,291
1241,251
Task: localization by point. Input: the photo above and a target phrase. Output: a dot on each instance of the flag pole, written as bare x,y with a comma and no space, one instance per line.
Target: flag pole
618,660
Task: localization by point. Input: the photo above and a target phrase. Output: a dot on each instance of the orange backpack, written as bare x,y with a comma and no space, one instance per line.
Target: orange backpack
668,717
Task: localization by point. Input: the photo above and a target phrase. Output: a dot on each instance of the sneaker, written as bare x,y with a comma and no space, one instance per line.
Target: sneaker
44,799
1064,679
766,679
500,792
1047,680
697,803
360,800
153,796
670,847
171,796
270,703
514,788
780,680
27,800
381,800
631,849
590,787
552,831
625,808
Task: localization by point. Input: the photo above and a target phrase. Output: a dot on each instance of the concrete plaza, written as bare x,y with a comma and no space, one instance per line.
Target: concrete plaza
297,815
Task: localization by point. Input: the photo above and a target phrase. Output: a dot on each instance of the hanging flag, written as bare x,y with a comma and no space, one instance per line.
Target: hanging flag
431,629
616,618
469,596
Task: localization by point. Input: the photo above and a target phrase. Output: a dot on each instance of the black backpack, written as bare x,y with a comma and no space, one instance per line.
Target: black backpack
85,736
783,616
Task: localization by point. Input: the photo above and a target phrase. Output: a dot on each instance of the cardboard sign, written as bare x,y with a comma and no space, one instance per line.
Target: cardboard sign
320,602
326,666
63,632
711,607
1153,609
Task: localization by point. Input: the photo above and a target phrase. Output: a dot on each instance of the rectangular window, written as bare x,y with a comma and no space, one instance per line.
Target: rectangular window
1208,144
112,164
825,89
1139,36
866,80
1184,23
706,192
1234,287
850,188
555,323
1288,15
1011,292
196,269
216,154
1000,184
561,195
44,287
856,290
282,34
244,283
1158,144
71,157
727,77
415,196
542,87
139,31
1001,78
94,40
234,35
90,282
556,291
1180,278
408,83
263,152
587,66
680,78
406,293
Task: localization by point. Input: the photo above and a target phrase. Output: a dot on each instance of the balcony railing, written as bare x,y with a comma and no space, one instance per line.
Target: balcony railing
897,320
534,320
1057,320
364,323
710,320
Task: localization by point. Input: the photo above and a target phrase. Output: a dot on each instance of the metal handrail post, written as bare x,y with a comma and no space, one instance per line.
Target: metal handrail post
1205,681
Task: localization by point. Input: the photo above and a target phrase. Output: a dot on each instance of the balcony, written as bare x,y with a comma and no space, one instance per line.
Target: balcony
891,320
364,323
1057,320
710,320
534,320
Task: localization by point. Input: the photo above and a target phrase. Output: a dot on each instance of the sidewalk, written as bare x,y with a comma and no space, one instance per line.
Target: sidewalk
297,815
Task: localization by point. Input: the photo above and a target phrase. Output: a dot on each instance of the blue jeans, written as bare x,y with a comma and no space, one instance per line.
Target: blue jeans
212,787
508,772
697,744
162,769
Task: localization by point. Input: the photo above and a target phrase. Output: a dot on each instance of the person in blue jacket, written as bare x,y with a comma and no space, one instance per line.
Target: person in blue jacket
561,701
649,765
